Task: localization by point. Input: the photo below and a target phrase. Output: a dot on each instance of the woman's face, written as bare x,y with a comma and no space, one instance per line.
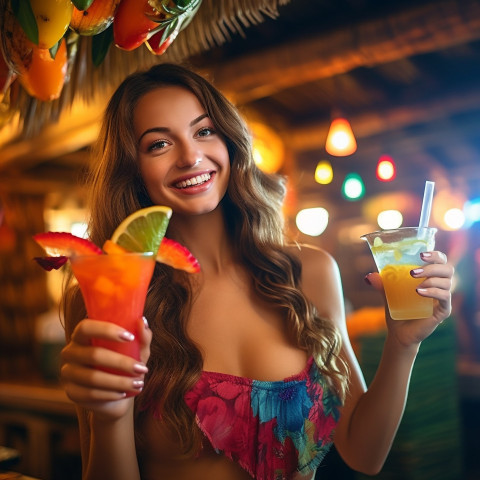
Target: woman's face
183,160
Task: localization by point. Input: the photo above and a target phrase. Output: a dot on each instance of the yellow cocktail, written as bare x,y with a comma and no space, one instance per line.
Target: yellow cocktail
403,301
396,254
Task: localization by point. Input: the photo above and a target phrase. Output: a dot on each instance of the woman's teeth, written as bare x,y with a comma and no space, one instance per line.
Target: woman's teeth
198,180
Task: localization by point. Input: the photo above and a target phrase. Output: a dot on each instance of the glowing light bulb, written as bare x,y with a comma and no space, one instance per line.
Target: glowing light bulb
389,219
312,221
340,139
324,173
386,170
454,218
353,187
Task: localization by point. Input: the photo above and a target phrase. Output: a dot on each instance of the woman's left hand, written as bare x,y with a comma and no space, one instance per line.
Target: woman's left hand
437,284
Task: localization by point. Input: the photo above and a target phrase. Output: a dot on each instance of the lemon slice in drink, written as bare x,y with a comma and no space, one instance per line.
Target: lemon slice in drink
143,230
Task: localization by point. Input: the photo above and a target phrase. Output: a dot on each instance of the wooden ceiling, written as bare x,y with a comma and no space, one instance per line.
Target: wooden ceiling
405,73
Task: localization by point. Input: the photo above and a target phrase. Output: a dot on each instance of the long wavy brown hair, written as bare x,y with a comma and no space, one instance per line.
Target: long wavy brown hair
252,210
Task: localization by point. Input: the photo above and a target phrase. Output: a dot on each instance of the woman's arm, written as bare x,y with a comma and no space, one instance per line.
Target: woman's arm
105,414
370,419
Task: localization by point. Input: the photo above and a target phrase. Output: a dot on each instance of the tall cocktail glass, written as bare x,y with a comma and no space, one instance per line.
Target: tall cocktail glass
114,288
397,252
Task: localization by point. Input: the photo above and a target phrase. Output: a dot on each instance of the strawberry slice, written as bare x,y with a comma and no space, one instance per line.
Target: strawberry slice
177,256
65,244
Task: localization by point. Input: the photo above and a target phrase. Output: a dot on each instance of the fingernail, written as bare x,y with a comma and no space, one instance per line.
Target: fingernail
125,335
416,271
138,384
140,368
145,322
367,280
421,290
425,255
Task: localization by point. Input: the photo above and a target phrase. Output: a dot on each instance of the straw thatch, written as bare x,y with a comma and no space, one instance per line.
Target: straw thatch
212,25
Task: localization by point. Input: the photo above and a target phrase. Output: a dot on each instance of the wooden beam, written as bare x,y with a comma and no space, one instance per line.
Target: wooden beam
428,28
368,124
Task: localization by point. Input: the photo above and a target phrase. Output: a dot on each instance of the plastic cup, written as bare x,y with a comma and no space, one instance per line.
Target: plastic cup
397,252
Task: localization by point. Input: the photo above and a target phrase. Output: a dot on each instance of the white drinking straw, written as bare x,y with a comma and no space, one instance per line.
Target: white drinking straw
426,204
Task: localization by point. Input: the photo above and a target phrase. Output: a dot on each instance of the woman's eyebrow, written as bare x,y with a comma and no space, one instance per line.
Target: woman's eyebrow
198,119
166,129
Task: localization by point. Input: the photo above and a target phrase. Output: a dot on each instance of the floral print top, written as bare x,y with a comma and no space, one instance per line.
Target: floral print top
272,429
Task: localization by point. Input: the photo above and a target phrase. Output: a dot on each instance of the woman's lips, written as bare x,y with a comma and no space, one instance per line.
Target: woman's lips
193,181
194,184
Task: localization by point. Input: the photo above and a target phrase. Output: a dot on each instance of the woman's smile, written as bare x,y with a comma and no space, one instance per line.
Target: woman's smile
192,185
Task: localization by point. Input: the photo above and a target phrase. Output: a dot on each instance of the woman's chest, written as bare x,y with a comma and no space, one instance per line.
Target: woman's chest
242,334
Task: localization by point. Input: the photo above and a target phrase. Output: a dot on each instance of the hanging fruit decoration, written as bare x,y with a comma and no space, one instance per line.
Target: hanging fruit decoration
52,18
94,19
39,38
45,76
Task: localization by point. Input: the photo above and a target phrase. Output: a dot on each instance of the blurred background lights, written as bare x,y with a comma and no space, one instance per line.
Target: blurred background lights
340,138
386,170
454,218
389,219
324,172
447,209
353,187
267,146
79,229
312,221
471,210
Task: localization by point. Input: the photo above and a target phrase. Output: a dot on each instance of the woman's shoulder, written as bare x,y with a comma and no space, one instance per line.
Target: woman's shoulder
320,278
311,257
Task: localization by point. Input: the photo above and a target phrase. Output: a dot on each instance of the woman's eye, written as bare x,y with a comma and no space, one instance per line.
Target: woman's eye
157,145
205,132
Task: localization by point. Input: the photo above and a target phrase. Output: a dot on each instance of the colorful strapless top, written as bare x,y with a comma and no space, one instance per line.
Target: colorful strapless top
271,429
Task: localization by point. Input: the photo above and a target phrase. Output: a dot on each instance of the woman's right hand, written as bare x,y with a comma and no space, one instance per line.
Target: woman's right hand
104,393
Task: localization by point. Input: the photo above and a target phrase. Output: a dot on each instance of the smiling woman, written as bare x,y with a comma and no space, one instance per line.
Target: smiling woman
243,370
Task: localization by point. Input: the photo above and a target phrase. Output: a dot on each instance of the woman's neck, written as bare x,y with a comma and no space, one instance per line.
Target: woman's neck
206,237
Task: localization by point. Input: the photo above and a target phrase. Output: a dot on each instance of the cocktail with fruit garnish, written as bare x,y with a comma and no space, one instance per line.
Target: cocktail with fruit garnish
114,282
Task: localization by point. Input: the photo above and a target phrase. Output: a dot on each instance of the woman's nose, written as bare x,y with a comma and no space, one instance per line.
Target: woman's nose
189,156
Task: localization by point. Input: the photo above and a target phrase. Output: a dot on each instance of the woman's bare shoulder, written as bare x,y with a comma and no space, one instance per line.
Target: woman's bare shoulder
311,257
320,279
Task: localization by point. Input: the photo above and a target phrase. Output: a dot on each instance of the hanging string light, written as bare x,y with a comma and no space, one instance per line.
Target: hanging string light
386,169
353,187
324,172
340,138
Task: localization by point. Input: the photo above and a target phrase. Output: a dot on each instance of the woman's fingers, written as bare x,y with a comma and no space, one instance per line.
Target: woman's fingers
88,329
99,379
145,338
434,257
99,357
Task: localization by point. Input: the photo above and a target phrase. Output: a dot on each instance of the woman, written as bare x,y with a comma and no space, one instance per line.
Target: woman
260,309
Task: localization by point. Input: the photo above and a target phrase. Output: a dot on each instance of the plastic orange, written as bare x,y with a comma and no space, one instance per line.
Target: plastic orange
53,18
45,76
95,19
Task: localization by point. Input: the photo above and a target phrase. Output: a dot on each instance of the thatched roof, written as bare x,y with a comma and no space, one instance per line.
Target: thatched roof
213,24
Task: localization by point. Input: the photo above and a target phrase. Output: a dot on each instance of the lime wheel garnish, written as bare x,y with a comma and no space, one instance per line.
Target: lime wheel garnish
143,230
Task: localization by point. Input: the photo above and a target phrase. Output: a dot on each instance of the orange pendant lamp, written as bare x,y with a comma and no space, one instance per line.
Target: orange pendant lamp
340,138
